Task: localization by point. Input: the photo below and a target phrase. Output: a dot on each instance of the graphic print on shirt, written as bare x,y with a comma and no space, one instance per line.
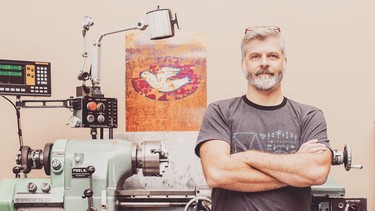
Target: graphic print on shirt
278,142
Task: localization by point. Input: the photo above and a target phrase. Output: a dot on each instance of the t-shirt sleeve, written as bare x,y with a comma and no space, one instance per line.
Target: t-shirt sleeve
214,126
315,127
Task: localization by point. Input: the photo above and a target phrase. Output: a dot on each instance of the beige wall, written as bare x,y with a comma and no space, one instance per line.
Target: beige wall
330,50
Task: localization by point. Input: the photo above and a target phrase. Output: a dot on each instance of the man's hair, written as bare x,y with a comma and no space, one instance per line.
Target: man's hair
260,33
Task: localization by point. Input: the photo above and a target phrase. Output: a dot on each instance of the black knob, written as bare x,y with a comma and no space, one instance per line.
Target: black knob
353,207
16,170
87,193
83,76
90,169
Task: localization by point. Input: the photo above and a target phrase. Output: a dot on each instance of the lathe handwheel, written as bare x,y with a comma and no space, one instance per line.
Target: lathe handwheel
47,158
347,157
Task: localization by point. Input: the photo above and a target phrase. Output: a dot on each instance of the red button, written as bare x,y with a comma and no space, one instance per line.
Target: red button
91,106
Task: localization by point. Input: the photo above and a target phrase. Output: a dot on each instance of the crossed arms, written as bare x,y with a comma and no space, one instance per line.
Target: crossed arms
253,171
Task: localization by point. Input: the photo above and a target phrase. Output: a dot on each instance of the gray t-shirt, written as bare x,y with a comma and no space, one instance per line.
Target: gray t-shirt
276,129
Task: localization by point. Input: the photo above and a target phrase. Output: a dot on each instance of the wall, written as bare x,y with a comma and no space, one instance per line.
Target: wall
330,50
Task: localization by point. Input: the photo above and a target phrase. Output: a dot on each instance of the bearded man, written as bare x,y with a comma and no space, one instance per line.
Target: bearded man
263,151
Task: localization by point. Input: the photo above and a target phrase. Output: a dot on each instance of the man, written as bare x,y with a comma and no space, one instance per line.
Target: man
263,151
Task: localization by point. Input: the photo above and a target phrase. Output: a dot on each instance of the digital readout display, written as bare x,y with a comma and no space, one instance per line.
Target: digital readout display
11,74
10,67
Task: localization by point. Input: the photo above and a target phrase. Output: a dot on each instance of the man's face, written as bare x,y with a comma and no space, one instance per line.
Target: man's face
264,63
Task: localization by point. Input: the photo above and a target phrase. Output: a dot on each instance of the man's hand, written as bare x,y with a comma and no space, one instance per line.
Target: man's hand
312,146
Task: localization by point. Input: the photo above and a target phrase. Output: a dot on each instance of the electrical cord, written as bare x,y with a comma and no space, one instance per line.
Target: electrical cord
20,139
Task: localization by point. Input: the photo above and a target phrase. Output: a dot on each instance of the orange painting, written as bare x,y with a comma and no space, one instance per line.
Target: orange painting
166,87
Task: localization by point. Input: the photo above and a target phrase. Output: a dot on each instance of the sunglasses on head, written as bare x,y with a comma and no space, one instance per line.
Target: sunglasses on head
275,28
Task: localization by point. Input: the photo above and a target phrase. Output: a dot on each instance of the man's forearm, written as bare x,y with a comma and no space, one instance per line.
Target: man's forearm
223,171
299,169
238,176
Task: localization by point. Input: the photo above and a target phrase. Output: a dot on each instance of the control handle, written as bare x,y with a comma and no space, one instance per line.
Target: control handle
344,157
88,193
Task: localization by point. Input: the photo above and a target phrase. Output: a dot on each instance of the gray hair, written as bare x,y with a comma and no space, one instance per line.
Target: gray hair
260,33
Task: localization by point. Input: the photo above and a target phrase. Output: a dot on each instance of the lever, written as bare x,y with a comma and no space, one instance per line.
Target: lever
89,192
358,166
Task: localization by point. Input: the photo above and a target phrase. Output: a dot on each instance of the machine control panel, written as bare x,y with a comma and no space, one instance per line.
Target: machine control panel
25,78
349,204
99,112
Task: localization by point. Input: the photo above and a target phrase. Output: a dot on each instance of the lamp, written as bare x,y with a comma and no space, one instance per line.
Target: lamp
161,26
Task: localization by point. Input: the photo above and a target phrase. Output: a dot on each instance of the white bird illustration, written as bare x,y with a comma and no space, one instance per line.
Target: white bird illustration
162,82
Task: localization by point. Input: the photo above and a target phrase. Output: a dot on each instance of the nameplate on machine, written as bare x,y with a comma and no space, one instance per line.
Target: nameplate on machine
80,173
22,198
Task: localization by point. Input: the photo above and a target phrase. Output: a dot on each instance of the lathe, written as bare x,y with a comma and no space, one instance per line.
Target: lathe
84,175
90,175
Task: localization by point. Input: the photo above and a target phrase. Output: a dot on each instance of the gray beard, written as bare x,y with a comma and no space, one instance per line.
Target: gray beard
265,83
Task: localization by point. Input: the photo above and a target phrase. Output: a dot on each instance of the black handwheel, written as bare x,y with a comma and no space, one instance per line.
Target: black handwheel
347,157
47,158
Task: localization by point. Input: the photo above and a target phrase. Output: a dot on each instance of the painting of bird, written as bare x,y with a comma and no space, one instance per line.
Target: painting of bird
162,81
166,85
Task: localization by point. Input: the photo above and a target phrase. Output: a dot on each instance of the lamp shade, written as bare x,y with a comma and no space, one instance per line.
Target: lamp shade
160,24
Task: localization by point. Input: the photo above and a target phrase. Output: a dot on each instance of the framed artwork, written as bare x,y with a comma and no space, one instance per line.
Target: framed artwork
166,87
